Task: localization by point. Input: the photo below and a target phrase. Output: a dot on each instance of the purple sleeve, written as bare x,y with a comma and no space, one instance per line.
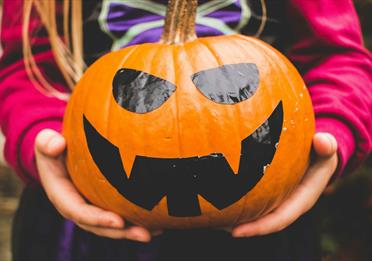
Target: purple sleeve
24,110
328,50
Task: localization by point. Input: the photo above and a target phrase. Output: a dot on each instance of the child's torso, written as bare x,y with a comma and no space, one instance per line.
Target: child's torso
113,24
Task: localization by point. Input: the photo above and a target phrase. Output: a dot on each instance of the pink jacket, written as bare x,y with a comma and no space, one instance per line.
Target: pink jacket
328,51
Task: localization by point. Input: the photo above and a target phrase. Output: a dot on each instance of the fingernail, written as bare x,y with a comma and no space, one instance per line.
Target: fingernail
54,142
331,141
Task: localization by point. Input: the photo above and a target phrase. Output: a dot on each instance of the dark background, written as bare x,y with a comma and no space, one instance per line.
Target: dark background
345,209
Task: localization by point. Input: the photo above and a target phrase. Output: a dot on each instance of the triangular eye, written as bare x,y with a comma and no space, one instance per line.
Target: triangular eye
140,92
228,84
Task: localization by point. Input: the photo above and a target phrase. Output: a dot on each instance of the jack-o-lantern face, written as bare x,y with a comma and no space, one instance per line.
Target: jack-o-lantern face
211,132
181,180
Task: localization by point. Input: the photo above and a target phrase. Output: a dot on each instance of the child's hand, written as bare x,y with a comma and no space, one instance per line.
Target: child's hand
49,148
305,195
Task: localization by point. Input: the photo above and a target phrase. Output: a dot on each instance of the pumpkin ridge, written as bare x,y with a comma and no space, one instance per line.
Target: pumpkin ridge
250,40
212,54
268,206
189,62
176,68
153,63
200,98
212,51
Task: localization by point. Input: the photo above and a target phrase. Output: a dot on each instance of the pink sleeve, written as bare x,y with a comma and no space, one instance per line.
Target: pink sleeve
24,110
337,69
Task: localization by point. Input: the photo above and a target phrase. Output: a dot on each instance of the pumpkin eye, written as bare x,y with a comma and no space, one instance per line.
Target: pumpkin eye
140,92
228,84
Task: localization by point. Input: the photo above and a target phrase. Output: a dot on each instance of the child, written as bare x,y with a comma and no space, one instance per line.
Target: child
321,37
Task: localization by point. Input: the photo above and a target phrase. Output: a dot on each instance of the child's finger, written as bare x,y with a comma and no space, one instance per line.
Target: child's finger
300,201
49,147
132,233
324,144
50,143
67,199
85,214
64,196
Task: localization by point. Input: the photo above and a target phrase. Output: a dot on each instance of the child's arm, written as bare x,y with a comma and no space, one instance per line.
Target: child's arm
337,69
328,49
49,148
31,121
24,110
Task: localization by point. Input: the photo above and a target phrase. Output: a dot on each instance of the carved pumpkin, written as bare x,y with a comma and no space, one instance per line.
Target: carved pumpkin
189,132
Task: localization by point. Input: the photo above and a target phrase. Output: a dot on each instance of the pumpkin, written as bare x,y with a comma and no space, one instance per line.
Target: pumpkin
189,132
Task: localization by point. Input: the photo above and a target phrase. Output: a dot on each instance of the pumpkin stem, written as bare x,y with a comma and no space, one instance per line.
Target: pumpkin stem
179,24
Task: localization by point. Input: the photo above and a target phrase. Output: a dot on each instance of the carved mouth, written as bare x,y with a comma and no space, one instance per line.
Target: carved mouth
181,180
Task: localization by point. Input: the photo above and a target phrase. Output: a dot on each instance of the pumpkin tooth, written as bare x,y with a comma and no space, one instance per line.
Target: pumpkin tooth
233,158
128,162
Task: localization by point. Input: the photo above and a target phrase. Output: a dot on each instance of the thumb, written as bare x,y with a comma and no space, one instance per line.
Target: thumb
324,144
50,143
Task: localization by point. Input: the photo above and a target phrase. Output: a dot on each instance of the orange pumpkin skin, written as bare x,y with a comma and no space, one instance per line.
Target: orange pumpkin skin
188,124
